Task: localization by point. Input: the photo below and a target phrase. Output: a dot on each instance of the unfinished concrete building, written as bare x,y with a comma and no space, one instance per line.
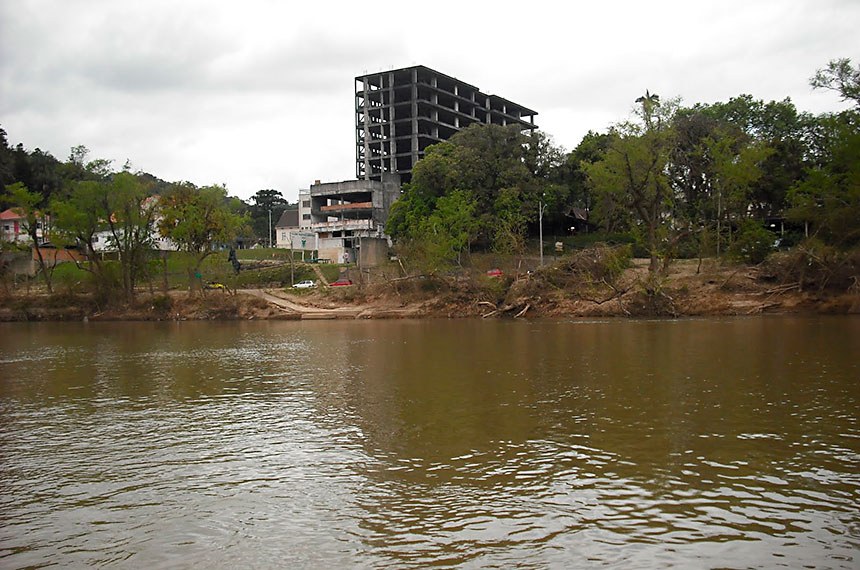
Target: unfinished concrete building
399,113
348,218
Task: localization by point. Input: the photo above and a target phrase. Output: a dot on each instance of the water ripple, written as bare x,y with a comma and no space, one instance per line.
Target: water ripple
344,445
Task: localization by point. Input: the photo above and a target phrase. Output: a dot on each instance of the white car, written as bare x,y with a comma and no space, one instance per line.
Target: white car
306,284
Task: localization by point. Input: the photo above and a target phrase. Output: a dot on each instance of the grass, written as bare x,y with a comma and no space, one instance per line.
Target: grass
270,253
69,278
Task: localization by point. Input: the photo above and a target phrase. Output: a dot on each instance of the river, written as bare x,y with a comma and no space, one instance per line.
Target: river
696,443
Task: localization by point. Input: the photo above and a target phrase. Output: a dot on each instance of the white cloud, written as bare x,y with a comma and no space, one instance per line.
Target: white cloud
259,94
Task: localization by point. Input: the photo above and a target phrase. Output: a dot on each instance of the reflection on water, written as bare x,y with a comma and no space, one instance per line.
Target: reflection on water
694,443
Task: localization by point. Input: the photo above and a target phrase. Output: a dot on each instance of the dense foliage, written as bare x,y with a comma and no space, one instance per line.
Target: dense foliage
735,177
80,202
696,180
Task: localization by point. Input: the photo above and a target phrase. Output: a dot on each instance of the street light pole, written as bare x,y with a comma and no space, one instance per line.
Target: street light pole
540,226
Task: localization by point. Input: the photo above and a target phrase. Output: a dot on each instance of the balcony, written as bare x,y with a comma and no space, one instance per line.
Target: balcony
342,225
347,207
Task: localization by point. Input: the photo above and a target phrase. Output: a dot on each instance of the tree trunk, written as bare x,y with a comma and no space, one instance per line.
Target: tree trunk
42,266
164,272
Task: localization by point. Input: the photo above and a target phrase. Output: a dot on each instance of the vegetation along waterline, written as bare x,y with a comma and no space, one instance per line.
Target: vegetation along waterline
734,207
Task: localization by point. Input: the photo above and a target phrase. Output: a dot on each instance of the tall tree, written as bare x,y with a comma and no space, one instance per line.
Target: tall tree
778,125
633,175
591,148
79,216
198,220
129,211
6,163
733,169
27,204
267,205
829,197
442,237
841,77
504,172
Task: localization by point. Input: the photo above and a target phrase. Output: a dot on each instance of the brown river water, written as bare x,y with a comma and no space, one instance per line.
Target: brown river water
711,443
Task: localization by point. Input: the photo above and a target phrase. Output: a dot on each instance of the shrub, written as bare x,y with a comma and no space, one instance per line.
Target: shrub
161,303
813,264
753,244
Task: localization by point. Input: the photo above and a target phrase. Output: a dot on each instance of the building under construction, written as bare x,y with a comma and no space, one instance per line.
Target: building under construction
399,113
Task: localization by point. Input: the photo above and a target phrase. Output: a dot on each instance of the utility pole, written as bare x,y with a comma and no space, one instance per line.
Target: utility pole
292,273
270,228
541,208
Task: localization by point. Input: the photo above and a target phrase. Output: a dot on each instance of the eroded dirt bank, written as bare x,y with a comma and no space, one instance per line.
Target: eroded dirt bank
689,290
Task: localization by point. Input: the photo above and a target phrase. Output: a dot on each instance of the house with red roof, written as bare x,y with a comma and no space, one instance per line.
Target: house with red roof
13,226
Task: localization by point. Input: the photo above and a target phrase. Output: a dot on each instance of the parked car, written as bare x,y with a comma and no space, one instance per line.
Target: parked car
306,284
215,285
495,273
342,283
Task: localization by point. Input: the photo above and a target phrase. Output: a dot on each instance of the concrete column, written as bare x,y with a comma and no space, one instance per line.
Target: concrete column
414,98
392,146
366,130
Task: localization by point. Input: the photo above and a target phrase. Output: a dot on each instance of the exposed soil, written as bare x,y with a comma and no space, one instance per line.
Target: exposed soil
689,290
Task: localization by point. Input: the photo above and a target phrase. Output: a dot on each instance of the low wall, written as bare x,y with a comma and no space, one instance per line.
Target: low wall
374,252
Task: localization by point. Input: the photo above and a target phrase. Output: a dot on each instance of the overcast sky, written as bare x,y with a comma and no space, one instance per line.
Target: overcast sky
260,94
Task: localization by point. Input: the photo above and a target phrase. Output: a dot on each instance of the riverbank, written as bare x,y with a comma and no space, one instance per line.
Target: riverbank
690,289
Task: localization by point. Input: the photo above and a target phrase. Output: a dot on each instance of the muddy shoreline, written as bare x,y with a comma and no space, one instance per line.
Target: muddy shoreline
688,291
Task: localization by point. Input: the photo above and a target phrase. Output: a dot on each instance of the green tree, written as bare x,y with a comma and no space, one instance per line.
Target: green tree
649,103
197,220
591,149
444,235
266,205
733,169
828,199
841,77
485,161
79,216
6,163
27,204
779,126
128,209
633,176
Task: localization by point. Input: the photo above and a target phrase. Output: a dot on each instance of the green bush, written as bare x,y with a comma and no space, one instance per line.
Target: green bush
815,265
161,303
753,243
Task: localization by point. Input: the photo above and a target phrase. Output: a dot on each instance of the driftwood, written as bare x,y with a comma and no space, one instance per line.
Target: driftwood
729,278
406,278
615,295
523,312
763,307
782,289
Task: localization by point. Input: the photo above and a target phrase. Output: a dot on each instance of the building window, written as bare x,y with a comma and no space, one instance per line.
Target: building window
306,203
306,216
